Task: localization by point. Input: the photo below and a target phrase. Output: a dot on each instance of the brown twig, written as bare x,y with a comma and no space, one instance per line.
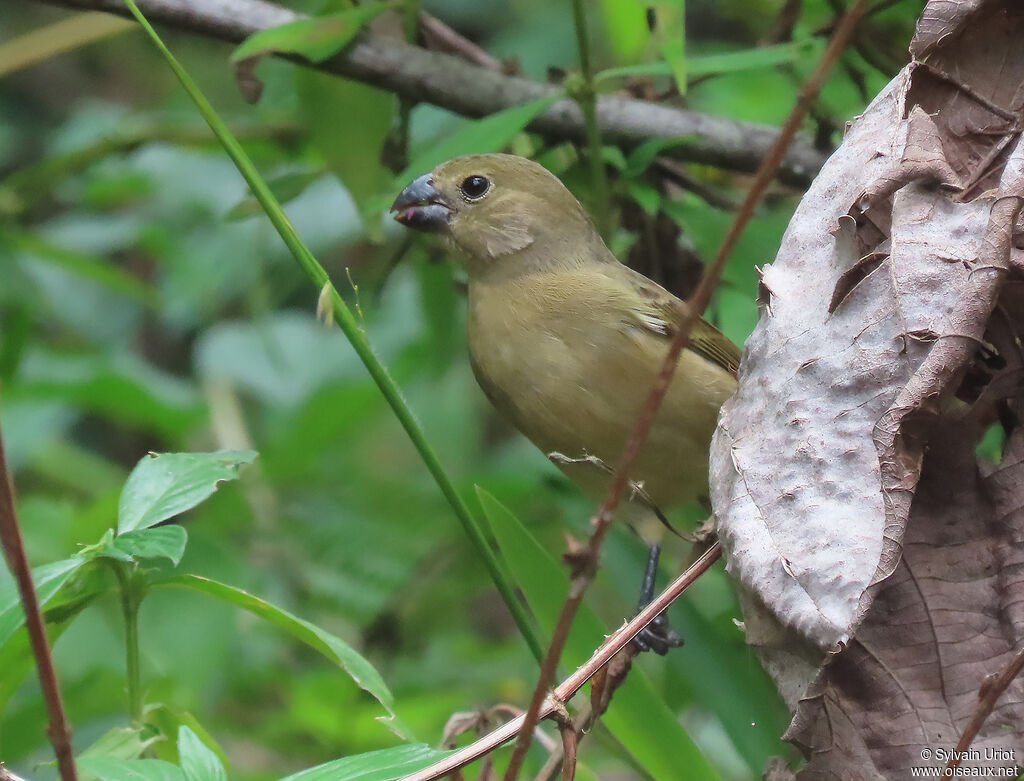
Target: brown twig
602,687
467,89
674,172
991,688
441,37
7,775
586,559
570,740
59,730
565,690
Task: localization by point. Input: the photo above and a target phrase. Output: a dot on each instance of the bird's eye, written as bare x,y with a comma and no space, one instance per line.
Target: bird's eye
475,187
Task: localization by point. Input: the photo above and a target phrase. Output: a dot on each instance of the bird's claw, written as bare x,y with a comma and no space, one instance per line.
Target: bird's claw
658,636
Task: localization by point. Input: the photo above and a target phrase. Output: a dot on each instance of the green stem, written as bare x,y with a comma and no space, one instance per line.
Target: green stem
132,591
587,98
345,319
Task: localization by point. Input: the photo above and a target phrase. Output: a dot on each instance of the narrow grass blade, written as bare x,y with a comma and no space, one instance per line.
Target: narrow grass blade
346,320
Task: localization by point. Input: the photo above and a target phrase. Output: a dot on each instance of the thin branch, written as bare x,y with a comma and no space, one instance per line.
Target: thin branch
441,37
587,559
674,172
7,775
59,730
570,740
991,689
565,690
466,89
602,687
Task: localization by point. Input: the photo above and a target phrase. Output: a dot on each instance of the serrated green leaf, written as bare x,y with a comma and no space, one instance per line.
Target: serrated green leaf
48,580
198,761
316,38
637,716
334,648
490,134
384,765
167,542
113,769
163,485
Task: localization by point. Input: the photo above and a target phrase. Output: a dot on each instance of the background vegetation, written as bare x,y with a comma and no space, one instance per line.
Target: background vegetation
147,305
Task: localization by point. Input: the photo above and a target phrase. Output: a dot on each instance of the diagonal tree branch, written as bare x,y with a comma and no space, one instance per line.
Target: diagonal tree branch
468,89
13,547
562,693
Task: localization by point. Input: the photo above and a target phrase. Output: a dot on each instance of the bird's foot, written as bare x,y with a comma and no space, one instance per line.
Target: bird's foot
658,636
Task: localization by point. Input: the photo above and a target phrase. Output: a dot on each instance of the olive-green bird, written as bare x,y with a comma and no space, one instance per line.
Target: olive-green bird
566,341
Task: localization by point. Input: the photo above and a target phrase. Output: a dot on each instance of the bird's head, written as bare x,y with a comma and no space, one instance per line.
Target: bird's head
492,206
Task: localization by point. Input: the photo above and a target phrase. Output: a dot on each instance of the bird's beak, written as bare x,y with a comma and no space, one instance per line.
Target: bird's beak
422,207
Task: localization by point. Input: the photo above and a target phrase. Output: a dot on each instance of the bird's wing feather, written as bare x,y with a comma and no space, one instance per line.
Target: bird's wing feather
660,312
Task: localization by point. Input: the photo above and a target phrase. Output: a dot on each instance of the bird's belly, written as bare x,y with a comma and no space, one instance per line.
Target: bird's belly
584,403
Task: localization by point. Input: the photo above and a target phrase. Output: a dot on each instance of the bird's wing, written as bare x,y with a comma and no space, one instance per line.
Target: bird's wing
658,311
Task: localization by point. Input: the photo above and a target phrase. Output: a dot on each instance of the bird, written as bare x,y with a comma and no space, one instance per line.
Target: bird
565,341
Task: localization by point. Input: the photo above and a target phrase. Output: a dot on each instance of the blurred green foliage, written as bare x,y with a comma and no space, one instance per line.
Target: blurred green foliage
147,305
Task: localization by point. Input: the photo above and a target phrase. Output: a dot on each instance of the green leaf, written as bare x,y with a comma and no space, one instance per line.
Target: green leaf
490,134
727,62
163,485
96,269
168,721
286,187
352,150
755,59
672,30
334,648
16,660
198,761
637,716
119,743
48,579
316,38
625,26
167,542
640,158
645,195
113,769
384,765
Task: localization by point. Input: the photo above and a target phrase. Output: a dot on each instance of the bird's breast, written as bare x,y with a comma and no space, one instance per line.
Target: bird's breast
573,379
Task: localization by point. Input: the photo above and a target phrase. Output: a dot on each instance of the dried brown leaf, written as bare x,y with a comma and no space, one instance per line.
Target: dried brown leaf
879,600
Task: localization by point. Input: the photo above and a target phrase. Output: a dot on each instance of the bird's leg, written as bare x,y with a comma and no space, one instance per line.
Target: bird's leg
657,636
650,575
